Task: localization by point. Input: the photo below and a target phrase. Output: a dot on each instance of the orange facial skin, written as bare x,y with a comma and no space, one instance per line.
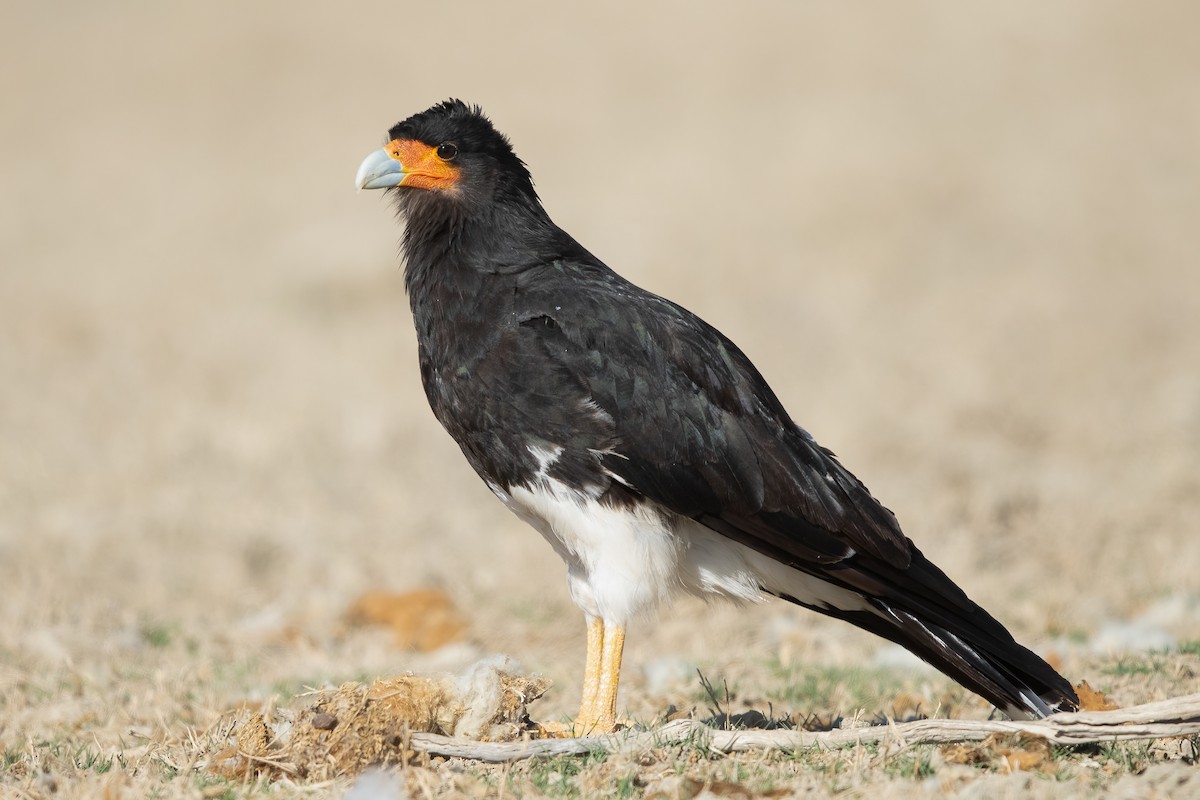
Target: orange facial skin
423,169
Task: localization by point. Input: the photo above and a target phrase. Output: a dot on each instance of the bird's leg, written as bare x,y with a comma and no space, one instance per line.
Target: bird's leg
598,707
597,710
604,719
591,672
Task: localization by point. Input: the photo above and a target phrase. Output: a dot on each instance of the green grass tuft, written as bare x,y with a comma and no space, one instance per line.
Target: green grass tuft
840,690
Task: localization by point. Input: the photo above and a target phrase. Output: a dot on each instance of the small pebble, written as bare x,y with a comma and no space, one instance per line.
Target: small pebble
324,722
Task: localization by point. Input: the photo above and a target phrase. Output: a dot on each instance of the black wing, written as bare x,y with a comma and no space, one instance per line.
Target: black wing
695,427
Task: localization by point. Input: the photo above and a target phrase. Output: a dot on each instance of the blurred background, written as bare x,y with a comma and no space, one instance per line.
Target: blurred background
960,240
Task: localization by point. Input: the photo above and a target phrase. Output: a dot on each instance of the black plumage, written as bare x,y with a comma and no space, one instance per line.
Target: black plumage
558,377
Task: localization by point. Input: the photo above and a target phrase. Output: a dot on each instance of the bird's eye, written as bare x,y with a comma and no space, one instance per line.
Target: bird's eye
446,151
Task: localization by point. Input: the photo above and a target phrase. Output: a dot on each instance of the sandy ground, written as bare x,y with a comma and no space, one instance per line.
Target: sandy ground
960,242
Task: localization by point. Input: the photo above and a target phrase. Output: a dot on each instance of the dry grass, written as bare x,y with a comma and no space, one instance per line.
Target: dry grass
961,243
330,737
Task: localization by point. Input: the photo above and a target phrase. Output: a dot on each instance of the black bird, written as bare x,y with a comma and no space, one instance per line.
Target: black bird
639,440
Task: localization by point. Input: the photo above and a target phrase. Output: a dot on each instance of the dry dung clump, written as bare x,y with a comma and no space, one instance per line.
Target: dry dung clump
421,619
1093,700
343,731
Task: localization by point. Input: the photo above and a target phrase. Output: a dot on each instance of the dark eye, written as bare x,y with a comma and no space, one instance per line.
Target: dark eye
446,151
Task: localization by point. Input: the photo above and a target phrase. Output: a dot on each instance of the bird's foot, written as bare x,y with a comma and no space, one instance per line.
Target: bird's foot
551,729
579,727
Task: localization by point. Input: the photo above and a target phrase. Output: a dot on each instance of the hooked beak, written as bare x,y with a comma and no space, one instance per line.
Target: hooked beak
379,171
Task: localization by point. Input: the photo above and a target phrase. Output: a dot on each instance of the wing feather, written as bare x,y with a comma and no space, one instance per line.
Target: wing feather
699,431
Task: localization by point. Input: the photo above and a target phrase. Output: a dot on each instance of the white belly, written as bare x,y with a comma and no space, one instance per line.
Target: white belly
622,562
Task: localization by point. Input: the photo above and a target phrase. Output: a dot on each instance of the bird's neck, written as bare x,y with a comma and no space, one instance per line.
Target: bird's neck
455,258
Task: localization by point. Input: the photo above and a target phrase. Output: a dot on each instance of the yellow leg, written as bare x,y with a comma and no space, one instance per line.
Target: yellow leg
591,672
598,706
605,718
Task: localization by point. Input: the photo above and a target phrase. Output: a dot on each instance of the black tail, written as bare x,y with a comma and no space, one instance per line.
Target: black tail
922,610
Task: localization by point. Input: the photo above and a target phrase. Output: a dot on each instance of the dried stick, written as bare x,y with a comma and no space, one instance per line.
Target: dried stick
1179,716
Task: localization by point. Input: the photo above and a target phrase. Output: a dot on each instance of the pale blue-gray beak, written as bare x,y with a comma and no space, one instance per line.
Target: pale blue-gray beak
379,171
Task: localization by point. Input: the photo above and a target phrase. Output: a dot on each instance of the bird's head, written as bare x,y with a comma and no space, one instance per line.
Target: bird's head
449,153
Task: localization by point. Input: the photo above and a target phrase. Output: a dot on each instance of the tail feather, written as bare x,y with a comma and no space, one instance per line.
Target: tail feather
922,610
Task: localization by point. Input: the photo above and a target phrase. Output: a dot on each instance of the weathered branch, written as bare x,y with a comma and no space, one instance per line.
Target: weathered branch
1176,717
